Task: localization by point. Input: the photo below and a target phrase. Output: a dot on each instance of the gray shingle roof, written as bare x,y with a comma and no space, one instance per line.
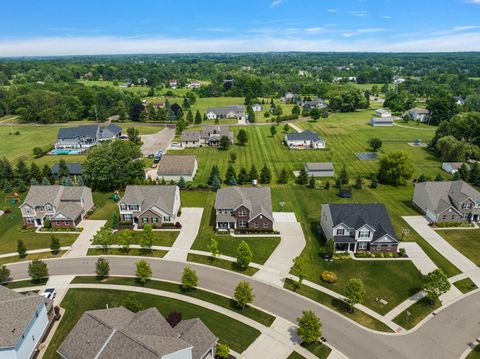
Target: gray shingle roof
162,197
73,168
111,131
17,311
223,111
120,334
257,199
356,215
319,166
176,165
190,136
306,135
78,132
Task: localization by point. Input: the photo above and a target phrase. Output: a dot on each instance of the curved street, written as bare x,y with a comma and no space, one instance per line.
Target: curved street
447,335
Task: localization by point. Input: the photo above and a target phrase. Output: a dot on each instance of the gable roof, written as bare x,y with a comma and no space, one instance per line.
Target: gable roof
319,166
79,131
120,333
444,194
382,119
17,312
73,168
225,110
110,131
147,196
306,135
419,110
357,215
177,165
257,199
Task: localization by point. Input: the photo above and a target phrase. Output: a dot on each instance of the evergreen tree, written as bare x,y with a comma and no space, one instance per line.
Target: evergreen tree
242,137
54,245
198,117
35,173
283,178
475,174
230,175
45,182
253,175
302,178
216,184
242,176
215,172
63,169
7,187
224,143
115,221
190,116
22,172
358,182
48,174
21,249
181,183
464,172
273,130
311,182
265,175
21,186
438,178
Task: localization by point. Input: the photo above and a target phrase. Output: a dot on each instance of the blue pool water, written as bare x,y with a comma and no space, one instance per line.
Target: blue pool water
65,152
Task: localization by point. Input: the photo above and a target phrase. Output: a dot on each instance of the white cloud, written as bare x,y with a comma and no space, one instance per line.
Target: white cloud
276,3
97,45
385,17
361,13
332,10
375,29
314,30
473,1
215,29
463,28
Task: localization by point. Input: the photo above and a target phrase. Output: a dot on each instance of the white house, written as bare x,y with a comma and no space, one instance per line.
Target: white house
304,140
386,121
452,167
24,320
257,107
172,84
235,111
382,113
419,114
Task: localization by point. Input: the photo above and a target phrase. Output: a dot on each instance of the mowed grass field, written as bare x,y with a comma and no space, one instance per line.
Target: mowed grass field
465,241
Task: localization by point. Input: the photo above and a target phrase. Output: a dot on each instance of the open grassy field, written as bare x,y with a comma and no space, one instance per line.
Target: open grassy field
237,335
466,242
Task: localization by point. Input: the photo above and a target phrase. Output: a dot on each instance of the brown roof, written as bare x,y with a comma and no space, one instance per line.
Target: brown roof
177,165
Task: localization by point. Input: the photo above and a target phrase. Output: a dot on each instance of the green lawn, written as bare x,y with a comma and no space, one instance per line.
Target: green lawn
465,241
31,257
475,353
295,355
11,230
24,283
318,349
465,285
250,312
418,312
131,252
221,263
161,238
237,335
339,306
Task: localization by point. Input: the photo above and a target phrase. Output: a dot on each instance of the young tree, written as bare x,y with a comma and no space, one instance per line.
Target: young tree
302,178
217,184
215,172
198,117
311,182
354,292
48,174
35,173
213,248
330,248
233,157
253,173
21,249
395,168
242,137
222,351
4,273
358,182
224,143
244,254
286,128
22,172
344,176
146,240
298,269
243,294
134,135
435,284
143,271
124,239
242,176
375,144
63,169
189,279
102,267
54,245
132,303
283,177
37,270
309,327
273,130
181,183
103,238
265,175
21,186
230,176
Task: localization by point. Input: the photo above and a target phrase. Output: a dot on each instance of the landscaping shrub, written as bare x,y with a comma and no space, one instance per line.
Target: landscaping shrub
329,277
174,318
341,256
453,224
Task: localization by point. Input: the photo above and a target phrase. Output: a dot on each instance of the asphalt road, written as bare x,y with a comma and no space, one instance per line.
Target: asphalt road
444,336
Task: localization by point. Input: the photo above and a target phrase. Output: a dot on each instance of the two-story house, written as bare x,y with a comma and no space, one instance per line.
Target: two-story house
154,205
358,227
120,333
85,136
24,320
244,207
64,206
208,136
447,201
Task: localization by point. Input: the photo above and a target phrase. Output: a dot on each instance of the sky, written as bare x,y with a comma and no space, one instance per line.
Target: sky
89,27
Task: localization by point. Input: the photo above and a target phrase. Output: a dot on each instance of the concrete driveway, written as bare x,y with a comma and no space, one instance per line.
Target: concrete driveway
157,141
419,258
190,220
292,242
84,240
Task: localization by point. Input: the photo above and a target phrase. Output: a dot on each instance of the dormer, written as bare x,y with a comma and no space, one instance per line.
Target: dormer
364,233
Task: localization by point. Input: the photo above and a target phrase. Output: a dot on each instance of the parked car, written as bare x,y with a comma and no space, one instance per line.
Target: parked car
49,293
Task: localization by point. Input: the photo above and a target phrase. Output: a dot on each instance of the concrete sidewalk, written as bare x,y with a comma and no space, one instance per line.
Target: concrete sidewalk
190,220
292,242
84,240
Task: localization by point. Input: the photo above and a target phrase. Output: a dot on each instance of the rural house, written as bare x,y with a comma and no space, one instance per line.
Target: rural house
208,136
85,136
257,107
64,206
452,167
121,333
358,227
154,205
382,113
319,169
25,321
244,207
173,167
418,114
234,111
317,103
447,201
304,140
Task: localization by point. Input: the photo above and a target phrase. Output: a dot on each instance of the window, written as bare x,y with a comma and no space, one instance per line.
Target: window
123,207
364,233
133,207
40,208
444,217
127,217
242,213
167,219
27,210
340,231
466,206
379,247
453,216
255,224
242,224
154,220
48,207
362,245
30,220
58,223
145,220
265,224
389,247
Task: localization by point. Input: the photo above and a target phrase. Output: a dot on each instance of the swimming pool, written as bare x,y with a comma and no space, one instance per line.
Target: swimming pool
65,152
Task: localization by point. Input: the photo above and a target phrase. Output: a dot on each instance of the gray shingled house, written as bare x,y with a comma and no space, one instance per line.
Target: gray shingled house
447,201
24,320
85,136
244,207
208,136
233,111
64,206
358,227
154,205
173,167
319,169
304,140
118,333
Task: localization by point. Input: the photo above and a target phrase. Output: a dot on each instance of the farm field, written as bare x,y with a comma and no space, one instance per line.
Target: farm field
236,334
